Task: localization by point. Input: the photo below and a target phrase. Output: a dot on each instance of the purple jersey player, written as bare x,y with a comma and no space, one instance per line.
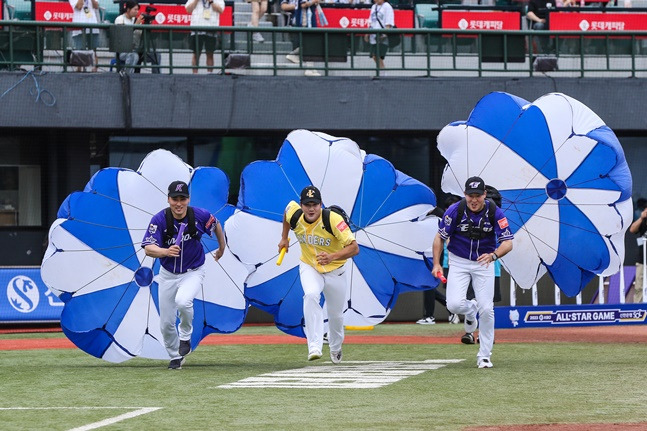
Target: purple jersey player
480,237
182,265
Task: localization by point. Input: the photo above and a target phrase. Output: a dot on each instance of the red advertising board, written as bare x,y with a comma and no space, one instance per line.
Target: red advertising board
176,14
590,21
481,20
359,18
54,11
167,14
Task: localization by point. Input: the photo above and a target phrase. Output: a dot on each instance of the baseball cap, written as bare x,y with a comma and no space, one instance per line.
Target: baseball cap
310,194
474,185
178,188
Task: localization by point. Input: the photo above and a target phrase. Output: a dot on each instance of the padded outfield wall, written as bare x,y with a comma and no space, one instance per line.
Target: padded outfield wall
231,103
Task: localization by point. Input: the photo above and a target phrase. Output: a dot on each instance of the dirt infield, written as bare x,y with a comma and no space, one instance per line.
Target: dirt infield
593,334
640,426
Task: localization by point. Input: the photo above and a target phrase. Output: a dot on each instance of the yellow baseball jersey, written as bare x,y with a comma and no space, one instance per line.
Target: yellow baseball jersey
315,239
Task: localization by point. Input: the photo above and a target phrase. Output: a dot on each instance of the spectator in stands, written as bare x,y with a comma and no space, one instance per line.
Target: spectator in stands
129,17
381,17
303,13
639,227
537,17
259,7
204,13
86,12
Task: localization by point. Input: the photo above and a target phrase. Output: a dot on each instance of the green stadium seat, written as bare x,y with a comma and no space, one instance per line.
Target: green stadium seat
426,17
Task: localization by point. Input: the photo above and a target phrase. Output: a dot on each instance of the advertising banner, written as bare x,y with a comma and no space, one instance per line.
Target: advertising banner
166,14
339,17
570,315
598,21
480,20
25,298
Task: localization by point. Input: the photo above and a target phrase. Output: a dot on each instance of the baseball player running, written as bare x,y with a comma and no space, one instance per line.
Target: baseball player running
173,236
322,268
475,243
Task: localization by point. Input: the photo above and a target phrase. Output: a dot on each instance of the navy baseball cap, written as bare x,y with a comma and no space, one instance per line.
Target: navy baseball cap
178,188
310,194
474,185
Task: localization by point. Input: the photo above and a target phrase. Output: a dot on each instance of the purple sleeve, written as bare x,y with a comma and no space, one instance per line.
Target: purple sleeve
501,226
206,222
155,230
445,227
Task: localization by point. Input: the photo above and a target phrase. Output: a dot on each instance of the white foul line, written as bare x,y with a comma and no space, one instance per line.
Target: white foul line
110,421
138,412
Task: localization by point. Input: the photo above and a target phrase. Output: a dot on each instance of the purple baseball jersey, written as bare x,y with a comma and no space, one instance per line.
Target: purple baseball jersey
467,248
191,253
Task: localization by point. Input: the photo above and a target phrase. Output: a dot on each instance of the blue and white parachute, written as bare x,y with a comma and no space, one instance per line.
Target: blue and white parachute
563,177
97,266
388,212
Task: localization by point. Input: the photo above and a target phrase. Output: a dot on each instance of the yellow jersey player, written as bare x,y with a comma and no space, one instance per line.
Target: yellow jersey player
325,247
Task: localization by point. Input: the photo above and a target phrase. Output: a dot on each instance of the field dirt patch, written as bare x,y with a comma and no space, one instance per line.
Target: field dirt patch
640,426
590,334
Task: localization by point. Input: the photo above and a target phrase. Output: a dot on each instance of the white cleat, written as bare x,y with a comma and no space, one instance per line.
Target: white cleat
484,363
335,357
314,355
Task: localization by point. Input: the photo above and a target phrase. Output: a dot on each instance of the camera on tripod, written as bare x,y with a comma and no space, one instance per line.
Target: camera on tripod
149,15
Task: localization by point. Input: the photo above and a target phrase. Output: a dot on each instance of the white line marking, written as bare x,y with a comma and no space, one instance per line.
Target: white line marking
115,419
137,412
350,374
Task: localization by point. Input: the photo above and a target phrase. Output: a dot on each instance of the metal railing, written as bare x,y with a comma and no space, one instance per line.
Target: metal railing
329,52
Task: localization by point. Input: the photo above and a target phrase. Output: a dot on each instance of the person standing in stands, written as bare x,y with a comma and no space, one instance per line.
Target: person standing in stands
86,12
381,17
326,246
475,243
259,7
303,13
204,13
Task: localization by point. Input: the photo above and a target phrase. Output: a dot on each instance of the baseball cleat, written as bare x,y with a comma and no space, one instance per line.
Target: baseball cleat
454,318
335,357
484,363
185,347
427,321
468,338
176,364
314,355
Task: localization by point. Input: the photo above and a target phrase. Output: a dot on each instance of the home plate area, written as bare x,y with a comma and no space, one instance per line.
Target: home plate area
349,375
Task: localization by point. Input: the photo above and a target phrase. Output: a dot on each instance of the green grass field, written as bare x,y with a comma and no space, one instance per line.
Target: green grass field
532,383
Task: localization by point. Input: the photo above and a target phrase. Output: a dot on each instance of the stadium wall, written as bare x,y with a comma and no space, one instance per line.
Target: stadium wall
257,103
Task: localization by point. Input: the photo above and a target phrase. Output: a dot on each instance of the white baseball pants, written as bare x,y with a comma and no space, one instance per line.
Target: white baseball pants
334,285
176,294
461,272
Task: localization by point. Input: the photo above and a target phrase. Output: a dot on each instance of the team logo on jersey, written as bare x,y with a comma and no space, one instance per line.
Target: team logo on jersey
211,220
448,220
150,240
503,223
152,228
342,226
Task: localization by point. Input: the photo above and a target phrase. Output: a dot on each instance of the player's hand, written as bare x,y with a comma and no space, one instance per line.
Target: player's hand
436,269
218,254
485,259
173,251
284,243
323,258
